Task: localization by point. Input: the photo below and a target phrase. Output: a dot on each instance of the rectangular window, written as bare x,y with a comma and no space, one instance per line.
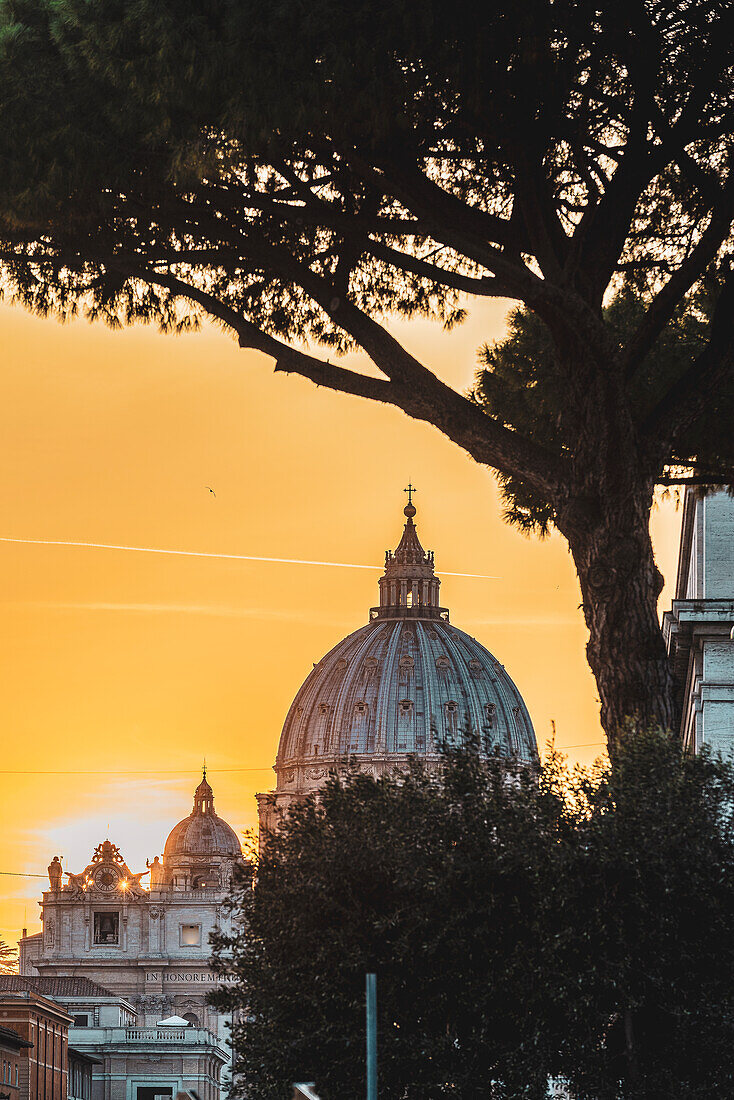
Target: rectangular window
190,935
106,928
81,1020
152,1092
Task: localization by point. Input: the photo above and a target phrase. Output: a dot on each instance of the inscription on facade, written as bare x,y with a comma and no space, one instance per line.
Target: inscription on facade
194,977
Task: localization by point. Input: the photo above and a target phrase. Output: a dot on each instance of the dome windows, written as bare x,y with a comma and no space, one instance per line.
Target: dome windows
451,718
360,718
319,732
406,661
405,708
518,733
443,663
490,714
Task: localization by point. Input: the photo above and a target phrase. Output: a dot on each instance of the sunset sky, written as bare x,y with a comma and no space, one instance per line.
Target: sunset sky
122,670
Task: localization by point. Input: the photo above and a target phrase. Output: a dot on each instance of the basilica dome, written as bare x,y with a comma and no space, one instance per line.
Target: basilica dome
203,833
407,683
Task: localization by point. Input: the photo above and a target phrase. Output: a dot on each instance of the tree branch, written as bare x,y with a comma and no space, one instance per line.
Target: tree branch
413,388
680,282
491,287
686,400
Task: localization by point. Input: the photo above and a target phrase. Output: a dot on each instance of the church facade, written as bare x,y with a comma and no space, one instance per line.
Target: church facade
146,952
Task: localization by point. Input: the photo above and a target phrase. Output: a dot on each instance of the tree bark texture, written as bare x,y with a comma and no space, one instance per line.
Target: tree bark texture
620,586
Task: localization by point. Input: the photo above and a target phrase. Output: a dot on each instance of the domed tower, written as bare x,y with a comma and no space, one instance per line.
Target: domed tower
201,850
404,684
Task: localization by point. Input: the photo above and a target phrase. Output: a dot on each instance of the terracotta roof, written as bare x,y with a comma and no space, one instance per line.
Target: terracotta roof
53,987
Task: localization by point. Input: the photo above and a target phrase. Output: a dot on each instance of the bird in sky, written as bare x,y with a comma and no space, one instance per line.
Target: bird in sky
210,490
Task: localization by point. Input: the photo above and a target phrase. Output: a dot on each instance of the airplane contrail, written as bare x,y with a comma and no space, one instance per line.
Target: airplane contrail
228,557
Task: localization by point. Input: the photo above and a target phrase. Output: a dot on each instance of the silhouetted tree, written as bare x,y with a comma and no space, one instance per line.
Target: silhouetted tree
302,174
573,924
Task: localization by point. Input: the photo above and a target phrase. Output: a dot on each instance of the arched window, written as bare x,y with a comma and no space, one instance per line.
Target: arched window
191,1018
360,718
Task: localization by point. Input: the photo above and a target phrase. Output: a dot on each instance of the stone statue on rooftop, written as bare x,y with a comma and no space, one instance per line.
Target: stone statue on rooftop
55,871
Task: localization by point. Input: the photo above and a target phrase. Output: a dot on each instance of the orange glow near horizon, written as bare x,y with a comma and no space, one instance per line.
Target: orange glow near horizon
122,670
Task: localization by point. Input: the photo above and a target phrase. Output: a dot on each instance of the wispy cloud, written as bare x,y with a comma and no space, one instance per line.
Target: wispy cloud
217,610
225,557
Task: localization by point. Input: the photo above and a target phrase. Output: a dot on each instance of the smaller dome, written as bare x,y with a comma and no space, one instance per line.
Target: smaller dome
203,833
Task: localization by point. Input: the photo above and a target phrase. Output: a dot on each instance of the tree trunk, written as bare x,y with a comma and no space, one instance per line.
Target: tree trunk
620,586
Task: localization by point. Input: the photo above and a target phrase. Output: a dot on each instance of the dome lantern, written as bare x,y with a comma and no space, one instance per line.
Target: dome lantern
409,587
203,797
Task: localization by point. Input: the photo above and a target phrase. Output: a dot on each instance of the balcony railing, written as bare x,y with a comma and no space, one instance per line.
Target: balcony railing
160,1034
85,1037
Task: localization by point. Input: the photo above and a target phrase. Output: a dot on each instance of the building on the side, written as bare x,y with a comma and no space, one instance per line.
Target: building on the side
144,954
79,1077
698,627
43,1026
110,1057
13,1051
403,685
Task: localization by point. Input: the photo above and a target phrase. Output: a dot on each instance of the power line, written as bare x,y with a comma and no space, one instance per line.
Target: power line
21,874
133,771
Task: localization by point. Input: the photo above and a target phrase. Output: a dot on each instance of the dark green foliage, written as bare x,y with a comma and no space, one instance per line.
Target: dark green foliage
521,385
521,925
648,896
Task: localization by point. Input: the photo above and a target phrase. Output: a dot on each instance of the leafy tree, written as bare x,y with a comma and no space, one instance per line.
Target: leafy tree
434,890
8,958
521,924
301,174
645,902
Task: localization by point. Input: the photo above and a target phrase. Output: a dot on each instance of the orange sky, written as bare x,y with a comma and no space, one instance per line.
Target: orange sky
135,666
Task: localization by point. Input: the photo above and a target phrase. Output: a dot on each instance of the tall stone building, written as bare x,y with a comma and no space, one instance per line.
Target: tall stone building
401,685
146,952
698,627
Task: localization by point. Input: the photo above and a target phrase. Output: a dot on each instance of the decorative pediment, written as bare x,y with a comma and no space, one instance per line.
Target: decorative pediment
107,875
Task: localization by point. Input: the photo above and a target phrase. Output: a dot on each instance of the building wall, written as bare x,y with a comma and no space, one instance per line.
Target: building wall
10,1073
43,1067
151,966
697,628
79,1077
138,1064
